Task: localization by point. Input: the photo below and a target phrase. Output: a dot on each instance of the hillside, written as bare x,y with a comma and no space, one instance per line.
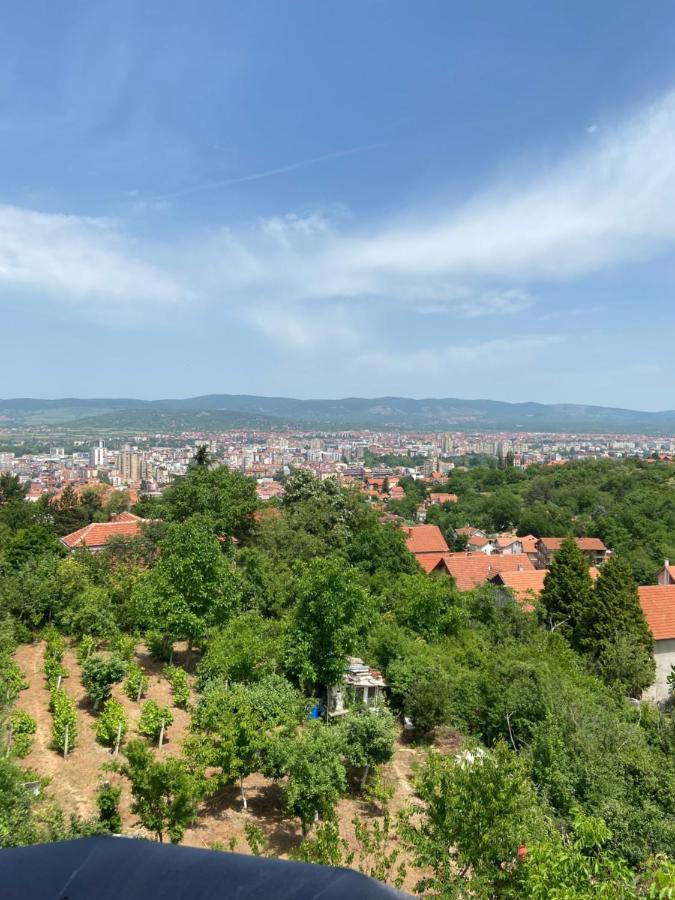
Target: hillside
350,412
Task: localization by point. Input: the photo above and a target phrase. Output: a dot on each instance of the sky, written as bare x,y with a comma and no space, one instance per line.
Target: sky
314,199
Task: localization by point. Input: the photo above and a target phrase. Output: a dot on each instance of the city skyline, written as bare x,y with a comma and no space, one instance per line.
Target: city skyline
327,202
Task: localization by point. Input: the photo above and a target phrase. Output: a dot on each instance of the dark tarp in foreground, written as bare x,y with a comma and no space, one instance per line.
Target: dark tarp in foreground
116,868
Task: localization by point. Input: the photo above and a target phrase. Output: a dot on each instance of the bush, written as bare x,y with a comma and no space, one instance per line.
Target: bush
159,645
53,669
12,680
23,728
109,721
99,674
180,685
136,683
108,802
152,716
63,712
85,648
124,647
54,650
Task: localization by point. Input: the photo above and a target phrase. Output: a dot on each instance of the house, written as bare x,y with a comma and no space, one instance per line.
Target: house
476,540
508,544
529,542
658,605
442,498
593,549
525,584
667,574
364,685
471,569
425,539
95,536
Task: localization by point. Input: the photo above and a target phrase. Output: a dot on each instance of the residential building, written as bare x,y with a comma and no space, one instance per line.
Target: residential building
96,535
658,605
593,549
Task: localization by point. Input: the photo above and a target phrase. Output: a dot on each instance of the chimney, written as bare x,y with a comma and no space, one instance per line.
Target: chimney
520,568
666,563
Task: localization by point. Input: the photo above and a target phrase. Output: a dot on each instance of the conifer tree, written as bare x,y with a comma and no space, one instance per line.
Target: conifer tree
614,609
568,590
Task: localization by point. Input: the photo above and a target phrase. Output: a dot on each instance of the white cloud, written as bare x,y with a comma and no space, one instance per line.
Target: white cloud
79,260
610,203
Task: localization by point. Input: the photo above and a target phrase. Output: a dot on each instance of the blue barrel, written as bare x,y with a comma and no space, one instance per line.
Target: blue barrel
315,712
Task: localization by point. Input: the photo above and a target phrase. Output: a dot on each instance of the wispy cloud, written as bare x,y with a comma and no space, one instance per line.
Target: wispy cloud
610,203
216,183
81,260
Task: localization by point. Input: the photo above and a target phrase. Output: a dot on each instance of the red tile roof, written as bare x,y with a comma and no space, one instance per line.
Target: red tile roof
526,586
471,569
443,498
431,561
584,543
529,542
99,533
425,539
658,605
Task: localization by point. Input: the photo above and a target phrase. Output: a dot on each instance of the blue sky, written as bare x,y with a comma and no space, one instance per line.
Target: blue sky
333,199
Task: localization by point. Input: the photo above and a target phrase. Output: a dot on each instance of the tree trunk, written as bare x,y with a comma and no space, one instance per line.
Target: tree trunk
316,815
188,656
365,777
243,793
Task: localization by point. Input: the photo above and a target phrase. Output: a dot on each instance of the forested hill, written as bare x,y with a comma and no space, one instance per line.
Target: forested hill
379,412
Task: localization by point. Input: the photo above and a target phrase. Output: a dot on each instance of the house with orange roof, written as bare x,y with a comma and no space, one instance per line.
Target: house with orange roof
435,497
95,536
527,584
425,541
658,605
471,569
593,549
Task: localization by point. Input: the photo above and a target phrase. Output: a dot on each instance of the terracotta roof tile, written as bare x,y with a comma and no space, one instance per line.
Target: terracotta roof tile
471,569
99,533
658,605
584,543
425,539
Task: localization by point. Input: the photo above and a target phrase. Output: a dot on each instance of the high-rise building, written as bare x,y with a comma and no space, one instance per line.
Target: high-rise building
98,455
131,465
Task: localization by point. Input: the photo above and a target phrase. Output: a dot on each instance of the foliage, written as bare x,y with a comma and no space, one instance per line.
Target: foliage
99,674
568,591
331,608
108,803
180,685
153,716
109,722
164,794
476,811
245,649
368,738
223,496
63,716
136,682
316,775
22,727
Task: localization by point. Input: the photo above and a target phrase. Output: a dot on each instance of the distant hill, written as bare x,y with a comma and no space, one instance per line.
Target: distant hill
243,410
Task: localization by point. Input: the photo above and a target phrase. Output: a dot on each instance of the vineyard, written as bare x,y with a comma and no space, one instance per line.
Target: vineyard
73,781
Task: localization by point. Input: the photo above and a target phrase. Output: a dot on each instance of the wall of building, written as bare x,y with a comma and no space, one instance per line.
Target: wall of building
664,654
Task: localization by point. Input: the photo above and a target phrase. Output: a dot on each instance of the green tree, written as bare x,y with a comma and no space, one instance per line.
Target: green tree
568,591
164,794
99,675
331,609
108,803
614,609
11,488
111,723
316,775
225,497
368,738
240,722
245,649
476,811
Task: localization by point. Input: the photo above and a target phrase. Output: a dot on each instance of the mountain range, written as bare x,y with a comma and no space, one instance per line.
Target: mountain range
222,411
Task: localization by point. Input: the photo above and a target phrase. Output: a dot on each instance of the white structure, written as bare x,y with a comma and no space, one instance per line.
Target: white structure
365,685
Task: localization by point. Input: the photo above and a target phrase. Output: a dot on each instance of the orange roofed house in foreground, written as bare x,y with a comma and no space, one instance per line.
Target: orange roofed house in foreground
658,605
427,544
95,536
